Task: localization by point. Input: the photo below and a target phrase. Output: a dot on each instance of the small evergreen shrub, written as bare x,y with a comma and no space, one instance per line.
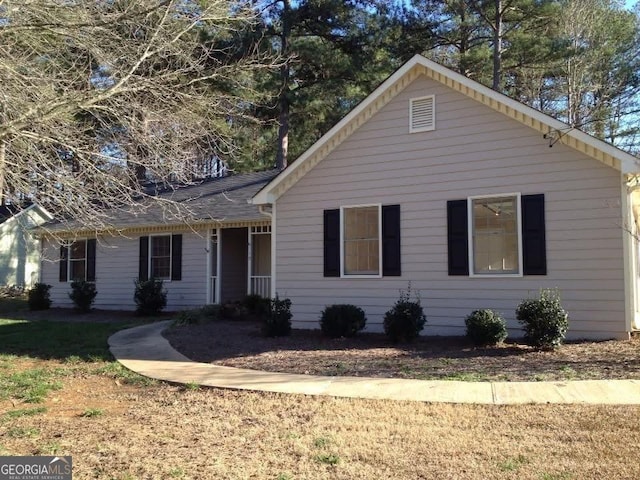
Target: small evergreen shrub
192,316
277,322
83,294
150,296
211,312
257,305
544,320
486,327
38,297
342,320
406,318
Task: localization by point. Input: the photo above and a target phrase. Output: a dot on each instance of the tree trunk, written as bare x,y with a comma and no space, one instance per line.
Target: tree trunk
283,101
3,152
497,46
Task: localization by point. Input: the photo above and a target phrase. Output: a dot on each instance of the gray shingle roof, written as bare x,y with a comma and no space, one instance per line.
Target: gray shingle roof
223,199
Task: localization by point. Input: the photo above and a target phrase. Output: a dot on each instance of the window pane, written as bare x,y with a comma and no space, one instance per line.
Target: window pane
361,241
495,235
79,249
161,257
161,267
160,246
78,269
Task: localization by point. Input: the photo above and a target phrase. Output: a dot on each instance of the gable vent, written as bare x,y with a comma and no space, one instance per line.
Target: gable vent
422,114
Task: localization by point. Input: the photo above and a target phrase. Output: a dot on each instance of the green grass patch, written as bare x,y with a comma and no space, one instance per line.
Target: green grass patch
30,386
72,341
23,432
92,413
328,458
13,304
512,464
24,412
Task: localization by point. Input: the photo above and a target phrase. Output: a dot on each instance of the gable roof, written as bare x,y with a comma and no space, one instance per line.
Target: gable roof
548,126
13,212
217,201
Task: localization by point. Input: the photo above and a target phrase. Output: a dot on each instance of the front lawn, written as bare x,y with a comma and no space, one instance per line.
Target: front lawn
64,395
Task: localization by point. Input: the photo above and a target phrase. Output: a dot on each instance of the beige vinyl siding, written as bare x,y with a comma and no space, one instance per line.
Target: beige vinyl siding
473,151
117,268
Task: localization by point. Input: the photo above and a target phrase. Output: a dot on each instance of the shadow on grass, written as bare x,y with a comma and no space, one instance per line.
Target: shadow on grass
60,333
57,340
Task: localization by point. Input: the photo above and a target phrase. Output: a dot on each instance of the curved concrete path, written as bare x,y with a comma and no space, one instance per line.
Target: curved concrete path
145,351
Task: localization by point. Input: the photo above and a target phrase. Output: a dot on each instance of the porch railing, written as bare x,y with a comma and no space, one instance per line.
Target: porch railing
261,285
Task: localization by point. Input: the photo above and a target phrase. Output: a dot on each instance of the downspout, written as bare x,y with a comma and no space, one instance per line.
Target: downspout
631,184
272,215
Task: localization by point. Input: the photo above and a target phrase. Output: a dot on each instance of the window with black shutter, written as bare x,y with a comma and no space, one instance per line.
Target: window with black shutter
362,241
491,230
78,261
160,257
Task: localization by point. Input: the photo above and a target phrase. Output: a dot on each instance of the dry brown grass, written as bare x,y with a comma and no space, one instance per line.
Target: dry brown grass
163,432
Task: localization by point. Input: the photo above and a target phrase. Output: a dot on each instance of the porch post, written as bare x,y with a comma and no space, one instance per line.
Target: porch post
219,265
207,247
273,251
249,258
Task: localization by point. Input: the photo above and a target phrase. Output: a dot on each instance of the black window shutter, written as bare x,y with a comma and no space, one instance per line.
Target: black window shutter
91,260
332,243
143,266
64,260
534,250
176,257
458,237
391,261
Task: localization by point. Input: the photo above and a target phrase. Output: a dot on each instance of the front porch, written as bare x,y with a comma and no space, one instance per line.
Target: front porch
239,263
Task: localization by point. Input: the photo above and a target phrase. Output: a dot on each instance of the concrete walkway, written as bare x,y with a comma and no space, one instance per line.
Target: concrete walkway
145,351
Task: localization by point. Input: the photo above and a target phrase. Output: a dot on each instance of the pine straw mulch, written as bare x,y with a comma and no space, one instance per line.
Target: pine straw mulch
240,343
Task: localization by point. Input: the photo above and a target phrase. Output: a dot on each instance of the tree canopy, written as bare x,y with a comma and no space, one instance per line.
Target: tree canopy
99,98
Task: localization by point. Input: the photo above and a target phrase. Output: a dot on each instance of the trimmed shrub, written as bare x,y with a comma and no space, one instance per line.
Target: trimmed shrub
83,294
342,320
150,296
277,322
257,305
406,318
486,327
211,312
544,320
38,297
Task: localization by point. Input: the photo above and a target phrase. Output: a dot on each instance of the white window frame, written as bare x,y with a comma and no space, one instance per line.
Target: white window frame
69,260
150,250
372,275
412,129
470,232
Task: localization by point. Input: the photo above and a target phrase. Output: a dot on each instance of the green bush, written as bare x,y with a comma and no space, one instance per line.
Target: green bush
150,296
406,318
342,320
256,305
277,322
38,297
544,320
211,312
83,294
486,327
